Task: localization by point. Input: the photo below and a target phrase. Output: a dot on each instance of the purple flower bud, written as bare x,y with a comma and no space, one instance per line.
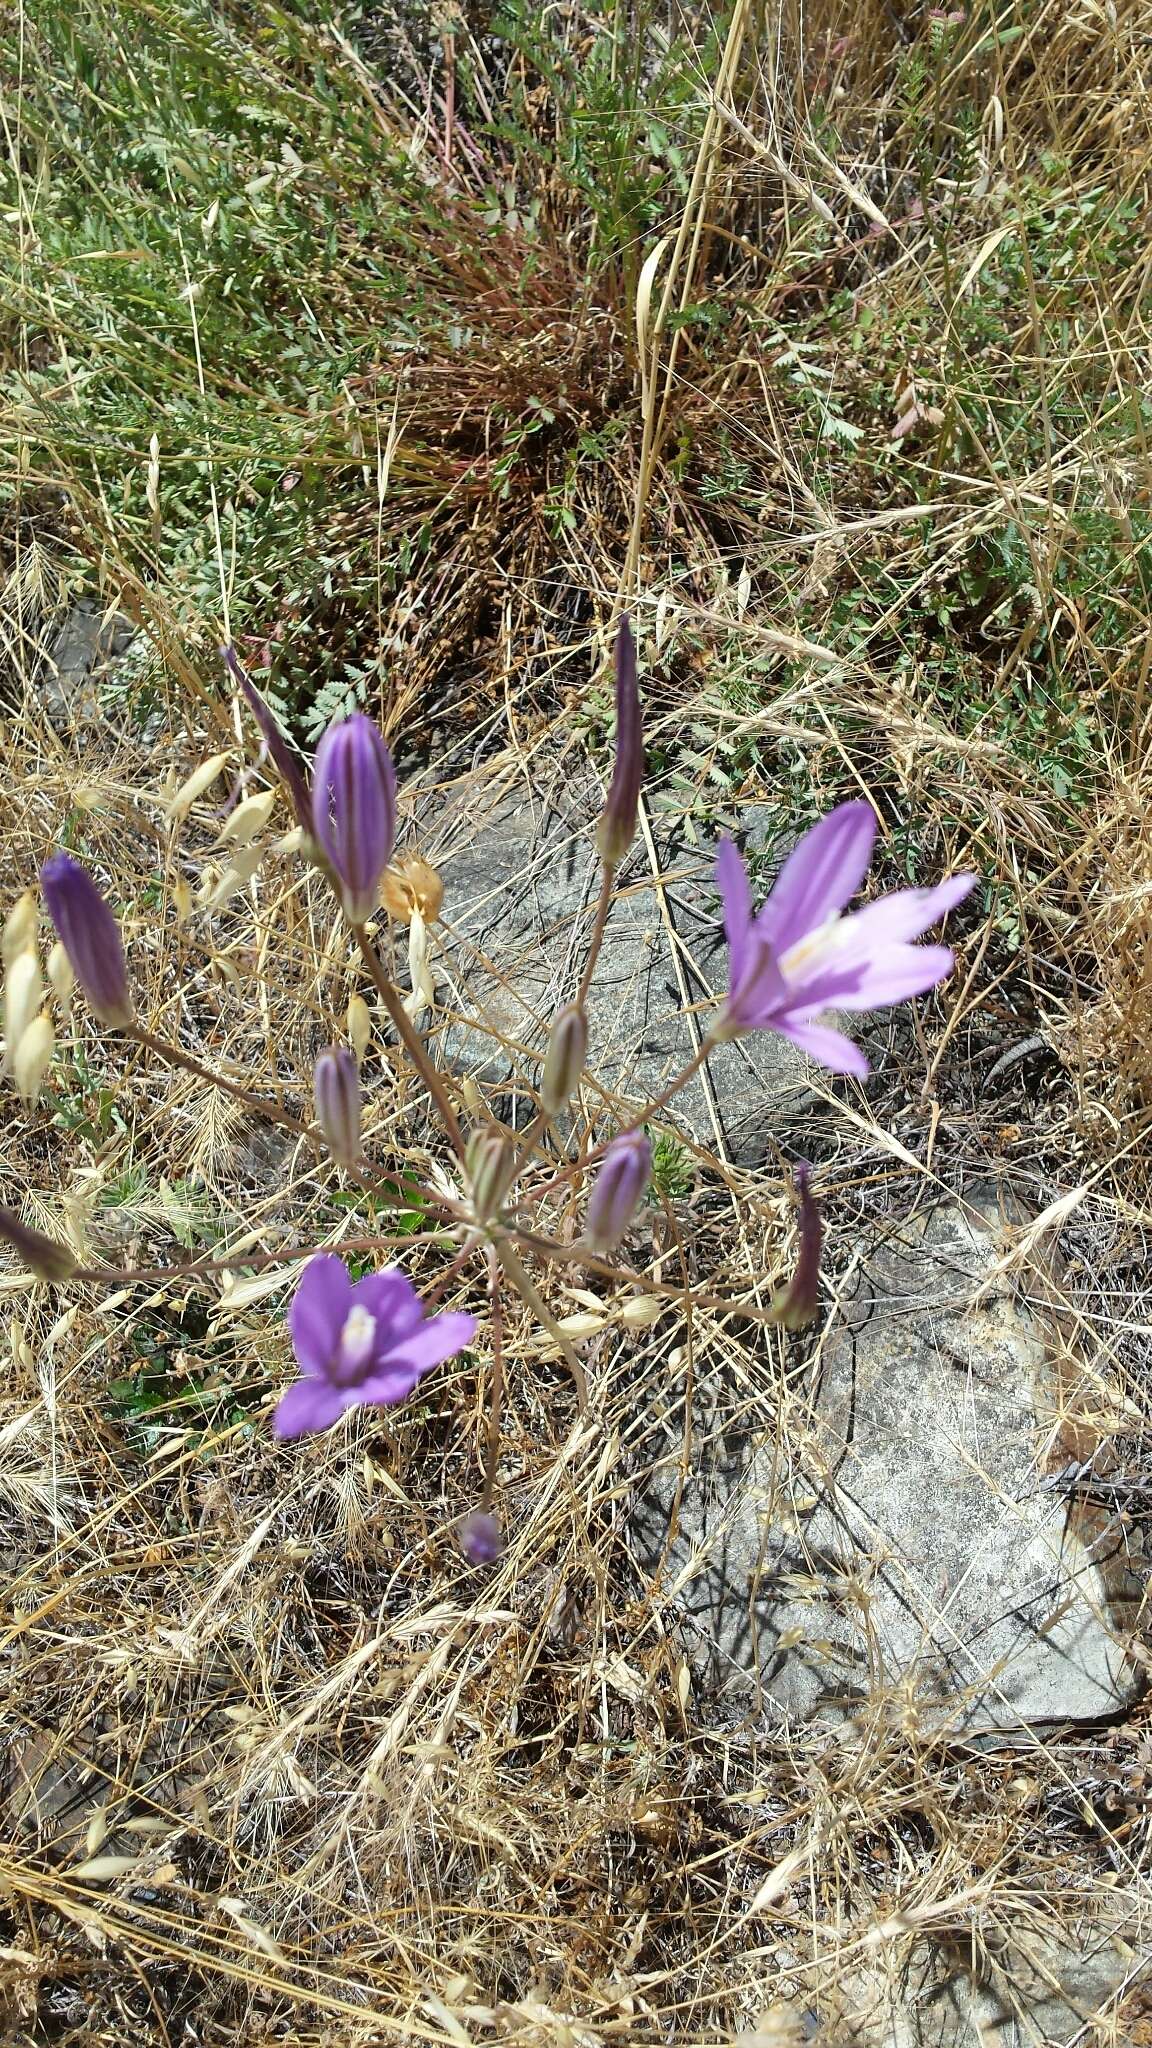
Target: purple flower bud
354,810
481,1537
564,1061
617,1190
336,1084
617,827
798,1303
49,1261
289,769
89,935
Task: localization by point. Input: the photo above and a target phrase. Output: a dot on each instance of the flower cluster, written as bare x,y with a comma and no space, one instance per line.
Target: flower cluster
367,1341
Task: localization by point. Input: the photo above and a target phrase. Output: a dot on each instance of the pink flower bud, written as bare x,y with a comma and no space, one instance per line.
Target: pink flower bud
89,935
354,810
617,826
617,1190
564,1062
336,1085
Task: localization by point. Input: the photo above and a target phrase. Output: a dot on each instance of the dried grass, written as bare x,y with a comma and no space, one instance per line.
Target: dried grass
278,1766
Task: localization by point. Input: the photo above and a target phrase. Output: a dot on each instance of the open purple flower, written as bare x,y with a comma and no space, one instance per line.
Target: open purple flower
798,955
362,1343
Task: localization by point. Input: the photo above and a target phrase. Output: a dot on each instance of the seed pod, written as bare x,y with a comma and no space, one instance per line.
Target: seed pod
23,993
359,1025
564,1062
60,974
336,1085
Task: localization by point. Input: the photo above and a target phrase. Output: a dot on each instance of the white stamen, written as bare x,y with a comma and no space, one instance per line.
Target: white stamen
825,940
357,1337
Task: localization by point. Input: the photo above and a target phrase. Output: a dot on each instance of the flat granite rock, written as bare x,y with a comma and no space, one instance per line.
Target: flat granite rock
919,1547
520,882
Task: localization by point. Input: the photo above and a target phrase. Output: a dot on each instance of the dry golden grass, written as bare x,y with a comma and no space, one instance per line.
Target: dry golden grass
278,1765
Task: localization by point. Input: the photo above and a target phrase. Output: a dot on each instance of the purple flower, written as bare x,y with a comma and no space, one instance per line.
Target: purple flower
617,827
359,1344
617,1190
798,956
797,1304
336,1088
290,771
481,1537
89,935
354,810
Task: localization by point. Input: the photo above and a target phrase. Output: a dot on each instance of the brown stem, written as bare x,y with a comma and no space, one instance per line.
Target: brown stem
603,906
139,1276
496,1387
410,1038
261,1105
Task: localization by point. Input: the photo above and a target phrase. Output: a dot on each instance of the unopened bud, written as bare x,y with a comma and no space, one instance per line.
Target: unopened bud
47,1260
490,1159
798,1303
336,1085
617,827
481,1537
617,1190
354,810
564,1061
90,936
290,771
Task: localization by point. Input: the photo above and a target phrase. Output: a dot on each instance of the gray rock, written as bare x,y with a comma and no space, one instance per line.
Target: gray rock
85,647
914,1550
1048,1988
521,877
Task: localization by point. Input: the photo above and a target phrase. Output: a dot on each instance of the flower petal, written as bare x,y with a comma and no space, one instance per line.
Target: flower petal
830,1048
319,1311
900,972
820,875
736,896
437,1339
309,1405
391,1298
906,913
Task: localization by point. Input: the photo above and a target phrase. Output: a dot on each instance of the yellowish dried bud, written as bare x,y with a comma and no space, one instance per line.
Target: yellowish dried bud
60,973
359,1026
412,884
20,927
23,994
33,1056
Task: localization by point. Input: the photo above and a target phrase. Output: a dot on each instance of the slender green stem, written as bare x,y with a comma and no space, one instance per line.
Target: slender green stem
410,1038
603,906
634,1122
527,1292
